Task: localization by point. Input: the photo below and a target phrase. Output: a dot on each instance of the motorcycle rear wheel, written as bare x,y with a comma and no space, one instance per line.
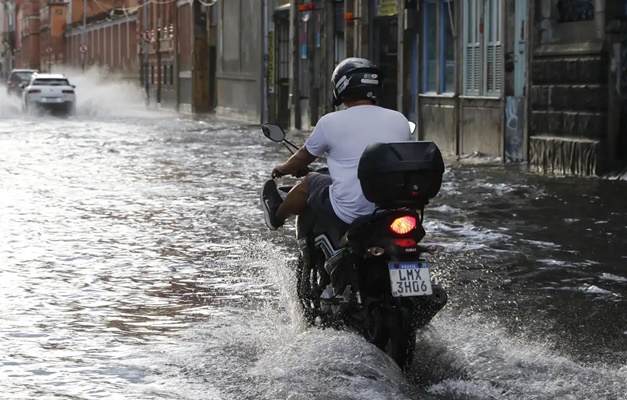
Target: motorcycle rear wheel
390,330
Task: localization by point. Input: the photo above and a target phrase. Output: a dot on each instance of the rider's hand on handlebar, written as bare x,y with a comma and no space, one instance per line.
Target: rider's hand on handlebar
277,172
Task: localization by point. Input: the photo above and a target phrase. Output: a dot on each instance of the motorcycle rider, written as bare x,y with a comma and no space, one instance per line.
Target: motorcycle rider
343,135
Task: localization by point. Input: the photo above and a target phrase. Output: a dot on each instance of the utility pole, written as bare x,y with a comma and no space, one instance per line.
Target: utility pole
177,92
158,50
295,65
84,33
145,26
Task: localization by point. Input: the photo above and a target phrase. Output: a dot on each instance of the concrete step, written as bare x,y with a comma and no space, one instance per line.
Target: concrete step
579,124
570,70
592,97
549,154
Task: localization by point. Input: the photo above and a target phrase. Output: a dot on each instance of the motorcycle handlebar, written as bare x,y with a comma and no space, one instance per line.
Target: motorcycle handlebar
302,172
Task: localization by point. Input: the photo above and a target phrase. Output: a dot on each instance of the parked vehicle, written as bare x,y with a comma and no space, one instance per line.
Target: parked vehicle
17,77
371,276
51,92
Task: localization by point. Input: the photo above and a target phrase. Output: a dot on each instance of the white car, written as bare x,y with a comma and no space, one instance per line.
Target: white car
51,92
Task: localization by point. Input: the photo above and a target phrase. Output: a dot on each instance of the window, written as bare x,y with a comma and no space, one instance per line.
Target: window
483,54
575,10
438,46
51,82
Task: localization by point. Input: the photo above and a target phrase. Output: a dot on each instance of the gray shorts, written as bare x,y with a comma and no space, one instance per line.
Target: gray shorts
319,200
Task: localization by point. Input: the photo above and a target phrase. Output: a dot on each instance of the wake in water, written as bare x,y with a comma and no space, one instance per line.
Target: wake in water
266,353
491,364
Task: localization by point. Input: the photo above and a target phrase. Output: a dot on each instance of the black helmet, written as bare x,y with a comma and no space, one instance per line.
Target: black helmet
356,79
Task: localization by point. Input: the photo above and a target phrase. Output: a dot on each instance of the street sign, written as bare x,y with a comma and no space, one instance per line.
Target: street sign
83,48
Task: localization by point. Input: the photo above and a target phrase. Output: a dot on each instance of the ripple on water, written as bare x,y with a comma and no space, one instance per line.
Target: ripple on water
134,263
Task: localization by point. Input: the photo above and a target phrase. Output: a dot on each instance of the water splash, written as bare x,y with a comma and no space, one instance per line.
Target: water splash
10,105
101,94
98,94
492,364
564,156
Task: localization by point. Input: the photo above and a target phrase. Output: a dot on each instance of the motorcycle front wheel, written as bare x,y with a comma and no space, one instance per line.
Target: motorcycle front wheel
310,280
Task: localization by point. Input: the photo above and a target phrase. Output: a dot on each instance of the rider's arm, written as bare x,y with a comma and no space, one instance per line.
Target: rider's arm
298,161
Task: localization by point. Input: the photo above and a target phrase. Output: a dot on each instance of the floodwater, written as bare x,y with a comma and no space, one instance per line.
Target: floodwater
135,264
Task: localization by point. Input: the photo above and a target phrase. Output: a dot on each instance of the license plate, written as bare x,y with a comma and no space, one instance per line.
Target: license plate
52,99
410,278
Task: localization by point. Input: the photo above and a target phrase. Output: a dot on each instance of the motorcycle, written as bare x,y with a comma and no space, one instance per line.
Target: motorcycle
370,275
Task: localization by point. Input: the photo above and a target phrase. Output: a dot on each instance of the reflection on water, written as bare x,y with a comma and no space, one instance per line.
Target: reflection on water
134,263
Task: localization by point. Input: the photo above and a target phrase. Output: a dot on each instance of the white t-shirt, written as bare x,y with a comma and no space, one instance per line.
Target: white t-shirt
344,135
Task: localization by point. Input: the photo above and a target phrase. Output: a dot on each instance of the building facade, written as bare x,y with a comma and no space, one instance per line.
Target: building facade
241,50
578,86
8,36
156,50
52,20
27,31
470,64
102,35
177,51
517,80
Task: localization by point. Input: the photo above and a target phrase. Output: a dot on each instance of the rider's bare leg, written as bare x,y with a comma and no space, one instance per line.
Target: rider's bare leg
295,202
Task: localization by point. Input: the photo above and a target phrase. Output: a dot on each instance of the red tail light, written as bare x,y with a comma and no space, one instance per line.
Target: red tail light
403,225
34,91
69,91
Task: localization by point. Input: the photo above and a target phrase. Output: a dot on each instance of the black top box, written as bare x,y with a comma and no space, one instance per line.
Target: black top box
402,174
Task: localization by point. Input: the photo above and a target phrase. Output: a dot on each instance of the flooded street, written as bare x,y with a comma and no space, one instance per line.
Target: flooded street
135,264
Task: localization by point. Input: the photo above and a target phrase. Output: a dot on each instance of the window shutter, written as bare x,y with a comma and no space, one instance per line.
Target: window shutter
472,49
494,68
493,50
472,69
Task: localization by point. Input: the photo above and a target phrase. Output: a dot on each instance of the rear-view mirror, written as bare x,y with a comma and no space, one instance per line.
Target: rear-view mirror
273,132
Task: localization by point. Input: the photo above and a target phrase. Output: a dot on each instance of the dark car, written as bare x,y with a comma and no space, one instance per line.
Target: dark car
17,77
